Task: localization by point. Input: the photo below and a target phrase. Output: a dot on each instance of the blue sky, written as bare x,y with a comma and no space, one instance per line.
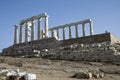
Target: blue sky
104,13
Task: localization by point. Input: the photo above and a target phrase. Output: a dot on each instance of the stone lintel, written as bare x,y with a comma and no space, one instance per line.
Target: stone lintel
71,24
33,18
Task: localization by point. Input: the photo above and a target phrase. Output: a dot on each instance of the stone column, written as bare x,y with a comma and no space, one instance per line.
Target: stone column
15,34
32,31
52,32
76,29
39,29
58,33
26,32
20,38
43,34
63,33
70,35
91,28
83,29
46,26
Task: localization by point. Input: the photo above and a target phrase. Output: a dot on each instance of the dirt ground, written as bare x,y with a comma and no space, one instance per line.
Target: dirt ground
46,69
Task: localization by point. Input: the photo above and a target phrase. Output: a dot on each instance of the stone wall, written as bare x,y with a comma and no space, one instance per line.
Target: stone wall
86,52
28,48
105,37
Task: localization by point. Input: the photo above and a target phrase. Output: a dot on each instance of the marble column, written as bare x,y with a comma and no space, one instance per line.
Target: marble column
63,33
52,32
43,34
46,26
15,34
91,28
26,32
20,38
32,31
58,33
70,35
76,29
39,29
83,29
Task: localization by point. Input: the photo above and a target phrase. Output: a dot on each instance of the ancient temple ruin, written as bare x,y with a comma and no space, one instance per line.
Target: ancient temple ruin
29,25
43,33
49,44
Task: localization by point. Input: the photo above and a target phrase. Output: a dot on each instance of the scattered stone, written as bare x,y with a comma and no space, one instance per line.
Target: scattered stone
89,75
96,76
102,75
16,75
83,75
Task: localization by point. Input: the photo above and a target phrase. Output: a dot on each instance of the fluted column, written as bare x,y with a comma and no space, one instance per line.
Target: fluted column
70,35
15,34
76,29
32,31
63,33
39,29
91,28
46,26
20,38
83,29
58,33
26,32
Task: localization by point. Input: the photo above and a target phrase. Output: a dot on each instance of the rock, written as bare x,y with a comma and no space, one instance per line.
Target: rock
83,75
89,75
96,76
102,75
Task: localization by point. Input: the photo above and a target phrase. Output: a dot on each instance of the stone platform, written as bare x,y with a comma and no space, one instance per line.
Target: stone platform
83,48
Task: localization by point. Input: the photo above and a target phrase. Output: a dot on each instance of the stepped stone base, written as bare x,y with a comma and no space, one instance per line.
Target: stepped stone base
100,47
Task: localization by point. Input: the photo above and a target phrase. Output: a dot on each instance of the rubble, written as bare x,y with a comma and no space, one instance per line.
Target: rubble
83,75
88,75
16,75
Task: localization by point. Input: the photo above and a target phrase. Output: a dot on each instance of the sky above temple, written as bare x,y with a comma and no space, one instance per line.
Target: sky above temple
104,13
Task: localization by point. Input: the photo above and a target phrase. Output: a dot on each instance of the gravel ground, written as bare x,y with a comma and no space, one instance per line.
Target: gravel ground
46,69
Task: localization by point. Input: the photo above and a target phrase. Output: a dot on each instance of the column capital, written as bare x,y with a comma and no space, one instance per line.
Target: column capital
26,23
76,24
83,23
39,19
16,26
33,21
69,26
47,16
90,21
21,23
63,27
